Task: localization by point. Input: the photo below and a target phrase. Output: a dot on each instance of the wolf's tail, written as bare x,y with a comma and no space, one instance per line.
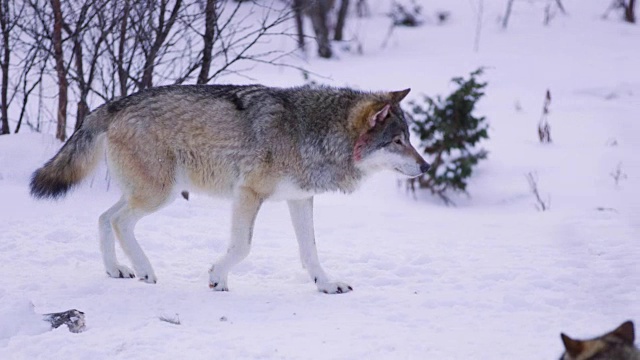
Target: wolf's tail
75,160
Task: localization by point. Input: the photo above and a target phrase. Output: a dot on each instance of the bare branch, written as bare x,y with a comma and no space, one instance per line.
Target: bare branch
541,205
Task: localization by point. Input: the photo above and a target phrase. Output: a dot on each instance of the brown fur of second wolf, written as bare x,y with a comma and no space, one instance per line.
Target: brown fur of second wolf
615,345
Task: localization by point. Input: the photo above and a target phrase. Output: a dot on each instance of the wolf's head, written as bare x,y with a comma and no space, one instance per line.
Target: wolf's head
383,137
617,344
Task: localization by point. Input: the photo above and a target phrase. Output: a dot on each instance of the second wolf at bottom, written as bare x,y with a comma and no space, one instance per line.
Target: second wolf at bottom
251,143
614,345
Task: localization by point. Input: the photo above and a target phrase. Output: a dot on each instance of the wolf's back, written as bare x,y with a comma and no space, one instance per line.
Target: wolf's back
75,160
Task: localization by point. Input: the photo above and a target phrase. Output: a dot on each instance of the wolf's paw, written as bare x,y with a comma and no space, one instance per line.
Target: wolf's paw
148,278
334,288
218,286
217,282
120,272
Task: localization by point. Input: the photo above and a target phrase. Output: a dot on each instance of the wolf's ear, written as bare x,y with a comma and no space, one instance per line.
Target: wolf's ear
397,96
379,116
574,347
625,332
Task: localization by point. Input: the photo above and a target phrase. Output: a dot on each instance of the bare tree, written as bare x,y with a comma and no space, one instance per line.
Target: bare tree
548,11
507,14
629,11
340,22
75,19
32,47
58,55
75,43
76,31
541,205
4,63
480,15
148,32
106,48
122,40
27,84
138,36
193,42
102,77
318,12
560,6
238,41
544,129
87,31
362,9
9,17
141,33
208,39
151,45
298,7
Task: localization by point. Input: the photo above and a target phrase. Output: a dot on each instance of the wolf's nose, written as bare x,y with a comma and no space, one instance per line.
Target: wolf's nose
424,167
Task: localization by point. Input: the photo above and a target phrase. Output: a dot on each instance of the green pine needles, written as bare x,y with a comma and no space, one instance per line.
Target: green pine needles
449,133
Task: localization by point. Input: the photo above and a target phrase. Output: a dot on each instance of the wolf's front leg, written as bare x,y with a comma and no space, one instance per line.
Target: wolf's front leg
246,204
302,217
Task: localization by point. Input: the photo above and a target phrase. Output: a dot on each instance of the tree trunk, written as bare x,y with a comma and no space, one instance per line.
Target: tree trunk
318,12
83,87
507,14
342,17
629,12
561,7
208,38
297,11
362,9
6,57
61,131
122,73
83,111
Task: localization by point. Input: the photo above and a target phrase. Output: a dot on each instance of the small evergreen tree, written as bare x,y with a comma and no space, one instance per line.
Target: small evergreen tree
449,133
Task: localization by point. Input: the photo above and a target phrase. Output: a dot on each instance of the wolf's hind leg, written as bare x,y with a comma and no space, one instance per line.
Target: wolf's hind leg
246,204
302,217
124,221
108,245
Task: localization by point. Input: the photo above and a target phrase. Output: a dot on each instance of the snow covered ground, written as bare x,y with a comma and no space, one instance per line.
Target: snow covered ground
489,279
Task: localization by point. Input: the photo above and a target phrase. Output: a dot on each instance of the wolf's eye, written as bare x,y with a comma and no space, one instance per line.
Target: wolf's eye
397,141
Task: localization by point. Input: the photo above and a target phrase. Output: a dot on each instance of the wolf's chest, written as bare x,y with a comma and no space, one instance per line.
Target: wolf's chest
288,190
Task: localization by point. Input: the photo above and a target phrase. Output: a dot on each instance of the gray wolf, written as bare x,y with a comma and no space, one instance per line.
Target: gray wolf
250,143
615,345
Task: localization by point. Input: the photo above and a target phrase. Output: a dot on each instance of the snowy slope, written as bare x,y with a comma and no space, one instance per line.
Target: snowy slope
489,279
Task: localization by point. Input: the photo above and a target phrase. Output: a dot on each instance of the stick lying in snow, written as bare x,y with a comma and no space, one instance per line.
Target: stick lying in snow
18,317
74,319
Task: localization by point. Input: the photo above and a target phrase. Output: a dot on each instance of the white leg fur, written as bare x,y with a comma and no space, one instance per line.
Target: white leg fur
124,221
246,204
302,217
108,244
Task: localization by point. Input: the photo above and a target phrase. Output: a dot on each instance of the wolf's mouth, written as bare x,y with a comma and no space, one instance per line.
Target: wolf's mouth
411,176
